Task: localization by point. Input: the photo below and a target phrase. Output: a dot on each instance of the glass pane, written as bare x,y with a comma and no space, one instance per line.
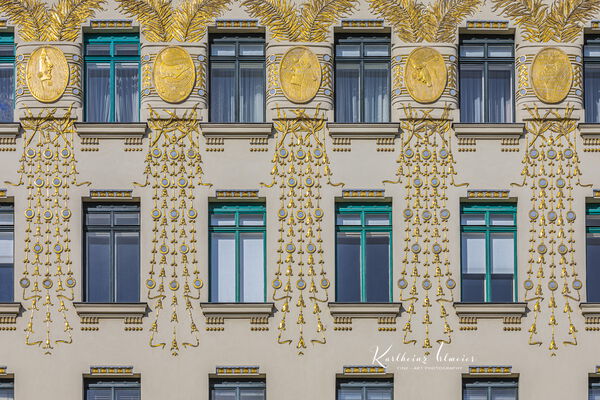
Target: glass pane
502,219
127,253
377,219
98,218
471,92
347,50
126,92
350,394
348,266
222,267
504,394
252,267
227,50
222,92
97,92
223,394
252,394
347,92
6,247
379,394
348,219
6,284
376,92
251,219
7,50
98,267
593,267
377,50
127,218
99,394
476,394
500,50
473,252
252,49
222,219
592,92
503,252
7,92
591,50
127,49
127,394
252,92
377,258
471,51
472,219
594,393
97,50
592,220
500,87
6,218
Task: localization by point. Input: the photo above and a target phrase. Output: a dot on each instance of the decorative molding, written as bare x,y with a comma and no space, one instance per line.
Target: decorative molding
385,313
3,369
487,25
111,370
8,316
227,370
591,314
10,130
510,314
3,23
595,24
257,313
490,370
236,131
488,131
589,129
110,310
111,23
487,194
3,193
236,194
363,193
363,370
111,194
362,23
363,131
596,193
110,131
236,23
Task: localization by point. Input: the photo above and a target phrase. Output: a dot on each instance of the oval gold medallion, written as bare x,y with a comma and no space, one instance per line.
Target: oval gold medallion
300,74
174,74
47,74
551,75
425,75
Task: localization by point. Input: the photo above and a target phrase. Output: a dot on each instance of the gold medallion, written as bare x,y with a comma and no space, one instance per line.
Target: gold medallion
300,74
174,74
47,74
551,75
425,75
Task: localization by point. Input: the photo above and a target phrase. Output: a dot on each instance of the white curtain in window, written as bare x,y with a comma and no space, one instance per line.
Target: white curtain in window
503,252
222,263
252,92
347,92
126,92
376,92
6,247
7,92
473,253
592,93
222,92
252,266
97,92
500,90
471,93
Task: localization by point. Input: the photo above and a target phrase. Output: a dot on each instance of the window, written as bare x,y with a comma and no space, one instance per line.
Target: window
363,252
250,389
379,389
112,69
237,79
591,80
7,77
7,391
237,253
112,253
497,389
6,253
122,389
486,79
592,222
362,79
594,389
488,252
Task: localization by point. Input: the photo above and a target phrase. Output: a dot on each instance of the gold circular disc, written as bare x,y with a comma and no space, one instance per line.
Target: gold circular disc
47,74
551,75
174,74
300,74
425,75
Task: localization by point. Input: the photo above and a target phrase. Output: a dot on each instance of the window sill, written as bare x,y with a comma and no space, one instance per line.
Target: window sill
490,310
489,131
365,310
111,310
364,131
587,129
238,310
111,130
590,309
237,131
9,129
11,310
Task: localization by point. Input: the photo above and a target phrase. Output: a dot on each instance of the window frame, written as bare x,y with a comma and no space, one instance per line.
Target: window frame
361,40
9,39
590,209
363,209
593,40
489,384
124,383
236,59
112,208
364,385
8,208
237,229
112,59
487,209
487,40
237,384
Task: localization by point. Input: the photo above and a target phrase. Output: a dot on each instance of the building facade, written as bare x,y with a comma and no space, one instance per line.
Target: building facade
342,199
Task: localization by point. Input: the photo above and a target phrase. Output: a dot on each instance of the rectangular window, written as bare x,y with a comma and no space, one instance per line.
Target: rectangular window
591,79
374,389
488,252
237,79
486,75
112,69
496,389
592,222
7,389
7,77
122,389
594,387
112,253
7,233
363,252
237,253
248,389
362,79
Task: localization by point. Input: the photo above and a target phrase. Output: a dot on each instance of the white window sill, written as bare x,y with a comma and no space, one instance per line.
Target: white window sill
111,310
489,131
590,309
365,310
111,130
363,131
9,129
11,310
238,310
589,129
237,130
490,310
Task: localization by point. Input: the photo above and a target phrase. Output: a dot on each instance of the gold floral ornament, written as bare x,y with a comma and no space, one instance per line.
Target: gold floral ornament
551,75
174,74
425,74
47,74
539,22
162,23
310,22
300,74
414,22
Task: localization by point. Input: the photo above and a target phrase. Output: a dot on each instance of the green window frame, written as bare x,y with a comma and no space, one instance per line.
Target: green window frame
592,230
486,221
490,389
112,389
365,389
356,225
230,225
7,62
113,45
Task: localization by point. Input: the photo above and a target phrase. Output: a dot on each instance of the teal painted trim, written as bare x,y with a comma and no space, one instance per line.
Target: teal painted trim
9,39
592,208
